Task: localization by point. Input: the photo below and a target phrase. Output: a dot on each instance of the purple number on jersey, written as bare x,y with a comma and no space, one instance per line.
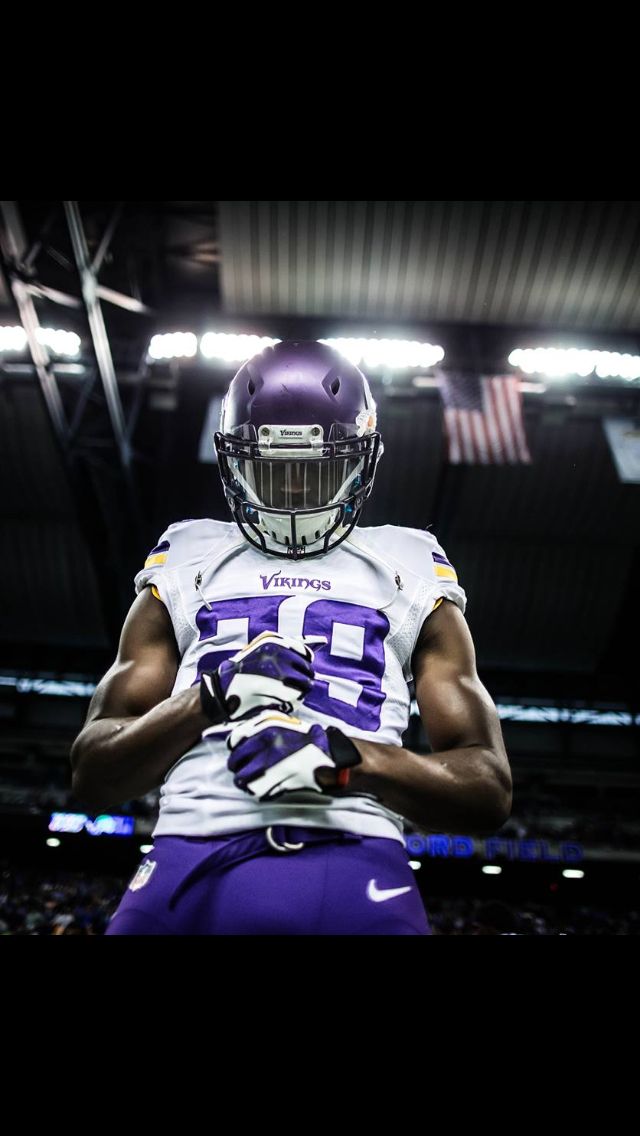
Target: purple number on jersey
349,667
234,622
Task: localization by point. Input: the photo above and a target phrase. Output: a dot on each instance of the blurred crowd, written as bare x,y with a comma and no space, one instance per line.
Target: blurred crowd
76,903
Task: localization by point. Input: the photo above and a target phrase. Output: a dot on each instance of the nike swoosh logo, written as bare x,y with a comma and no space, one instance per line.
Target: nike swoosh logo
378,895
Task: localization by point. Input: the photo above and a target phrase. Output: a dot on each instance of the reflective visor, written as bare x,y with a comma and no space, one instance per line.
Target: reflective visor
293,485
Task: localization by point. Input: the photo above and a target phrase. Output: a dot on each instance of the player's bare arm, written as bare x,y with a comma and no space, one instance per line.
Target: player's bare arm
465,784
135,730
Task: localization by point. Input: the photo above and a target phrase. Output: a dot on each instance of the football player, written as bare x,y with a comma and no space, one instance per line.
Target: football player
262,679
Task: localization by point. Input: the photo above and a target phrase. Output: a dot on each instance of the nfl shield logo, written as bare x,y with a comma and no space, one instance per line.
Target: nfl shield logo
143,875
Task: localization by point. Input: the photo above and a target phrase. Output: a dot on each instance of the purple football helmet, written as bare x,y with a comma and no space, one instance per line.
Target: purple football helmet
297,448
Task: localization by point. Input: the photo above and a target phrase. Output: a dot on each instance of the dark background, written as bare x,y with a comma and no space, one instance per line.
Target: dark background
547,552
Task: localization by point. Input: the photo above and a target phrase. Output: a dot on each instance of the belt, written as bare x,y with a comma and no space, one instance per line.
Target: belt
289,838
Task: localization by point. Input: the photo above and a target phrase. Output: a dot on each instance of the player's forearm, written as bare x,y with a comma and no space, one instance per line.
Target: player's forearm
457,790
116,759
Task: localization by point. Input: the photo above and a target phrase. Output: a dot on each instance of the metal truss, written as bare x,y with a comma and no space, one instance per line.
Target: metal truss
92,415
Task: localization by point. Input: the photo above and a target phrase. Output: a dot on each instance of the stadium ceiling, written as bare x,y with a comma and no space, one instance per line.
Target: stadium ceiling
96,461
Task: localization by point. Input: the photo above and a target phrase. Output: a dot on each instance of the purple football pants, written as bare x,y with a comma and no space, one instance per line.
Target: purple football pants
251,883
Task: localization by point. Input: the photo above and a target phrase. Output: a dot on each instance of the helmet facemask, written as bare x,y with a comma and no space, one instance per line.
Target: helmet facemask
296,500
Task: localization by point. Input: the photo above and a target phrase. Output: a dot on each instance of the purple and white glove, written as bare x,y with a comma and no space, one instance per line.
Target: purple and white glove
274,753
272,671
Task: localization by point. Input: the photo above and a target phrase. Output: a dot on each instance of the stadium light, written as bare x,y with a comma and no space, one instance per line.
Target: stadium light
399,354
59,342
173,345
233,348
559,362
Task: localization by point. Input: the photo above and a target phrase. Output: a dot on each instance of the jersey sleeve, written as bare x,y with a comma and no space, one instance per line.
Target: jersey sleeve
154,566
445,578
173,547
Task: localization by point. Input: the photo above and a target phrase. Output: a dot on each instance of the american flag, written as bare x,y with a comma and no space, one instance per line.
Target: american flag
483,419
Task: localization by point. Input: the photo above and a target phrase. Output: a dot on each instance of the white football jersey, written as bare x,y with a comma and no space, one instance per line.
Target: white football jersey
368,599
